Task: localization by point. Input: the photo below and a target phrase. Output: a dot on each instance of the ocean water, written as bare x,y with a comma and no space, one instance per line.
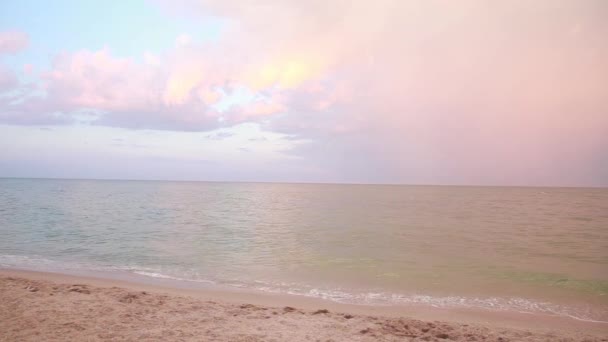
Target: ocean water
539,250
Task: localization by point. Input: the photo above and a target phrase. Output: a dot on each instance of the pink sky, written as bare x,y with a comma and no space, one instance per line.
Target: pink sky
439,92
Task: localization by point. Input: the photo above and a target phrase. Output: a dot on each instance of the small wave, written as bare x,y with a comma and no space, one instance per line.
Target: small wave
339,295
164,276
38,263
521,305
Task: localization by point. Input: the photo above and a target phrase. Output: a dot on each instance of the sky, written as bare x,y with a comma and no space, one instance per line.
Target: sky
385,91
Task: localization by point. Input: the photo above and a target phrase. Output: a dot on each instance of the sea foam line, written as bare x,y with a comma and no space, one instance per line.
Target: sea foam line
520,305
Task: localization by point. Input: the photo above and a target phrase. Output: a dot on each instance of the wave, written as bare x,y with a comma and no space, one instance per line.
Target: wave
520,305
339,295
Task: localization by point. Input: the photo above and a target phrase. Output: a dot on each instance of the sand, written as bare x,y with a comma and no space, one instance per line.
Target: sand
43,307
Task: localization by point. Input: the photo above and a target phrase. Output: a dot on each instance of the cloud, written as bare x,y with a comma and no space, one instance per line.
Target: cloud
398,91
183,40
13,42
176,91
102,89
8,79
219,135
440,92
10,42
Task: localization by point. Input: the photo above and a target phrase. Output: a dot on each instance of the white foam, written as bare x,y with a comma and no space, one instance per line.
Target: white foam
164,276
340,295
521,305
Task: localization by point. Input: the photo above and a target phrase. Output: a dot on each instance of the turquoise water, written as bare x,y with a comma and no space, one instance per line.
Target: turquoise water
501,248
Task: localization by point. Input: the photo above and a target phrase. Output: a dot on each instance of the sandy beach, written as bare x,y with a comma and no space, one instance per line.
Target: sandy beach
51,307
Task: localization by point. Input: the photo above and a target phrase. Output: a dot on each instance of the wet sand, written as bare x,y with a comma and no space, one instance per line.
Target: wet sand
36,306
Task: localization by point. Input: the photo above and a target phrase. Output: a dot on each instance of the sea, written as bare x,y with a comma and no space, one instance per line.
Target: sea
524,249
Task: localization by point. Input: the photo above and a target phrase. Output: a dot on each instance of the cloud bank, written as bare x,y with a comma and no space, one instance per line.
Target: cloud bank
391,91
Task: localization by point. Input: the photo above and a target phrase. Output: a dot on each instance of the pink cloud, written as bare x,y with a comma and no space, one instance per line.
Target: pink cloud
125,93
175,90
118,90
8,79
455,91
419,91
98,80
28,69
13,41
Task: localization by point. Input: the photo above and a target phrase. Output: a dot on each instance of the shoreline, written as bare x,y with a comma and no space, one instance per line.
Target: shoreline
473,306
452,318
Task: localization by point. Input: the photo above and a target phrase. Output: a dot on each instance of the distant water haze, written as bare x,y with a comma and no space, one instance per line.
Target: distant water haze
502,248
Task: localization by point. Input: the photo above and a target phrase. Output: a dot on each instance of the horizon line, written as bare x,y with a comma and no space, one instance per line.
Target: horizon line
305,182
